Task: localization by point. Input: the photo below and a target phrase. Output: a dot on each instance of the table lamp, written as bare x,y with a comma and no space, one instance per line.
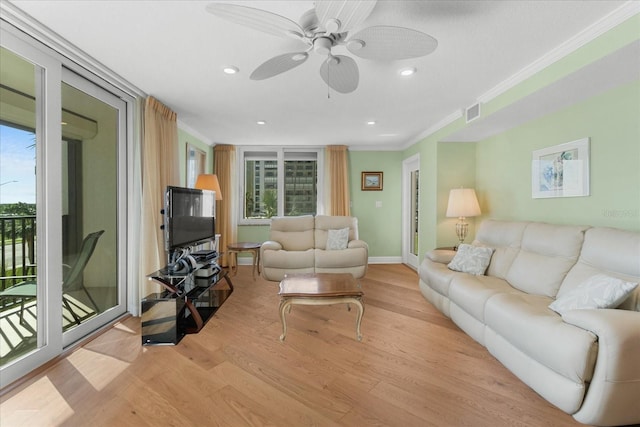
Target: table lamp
462,203
207,181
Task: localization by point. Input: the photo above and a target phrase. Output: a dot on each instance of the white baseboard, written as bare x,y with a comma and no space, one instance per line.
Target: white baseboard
385,260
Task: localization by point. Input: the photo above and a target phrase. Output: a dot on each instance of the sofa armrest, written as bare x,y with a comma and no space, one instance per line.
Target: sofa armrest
615,384
443,256
271,246
357,244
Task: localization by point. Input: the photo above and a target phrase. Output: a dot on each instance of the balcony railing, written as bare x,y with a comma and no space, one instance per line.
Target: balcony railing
18,251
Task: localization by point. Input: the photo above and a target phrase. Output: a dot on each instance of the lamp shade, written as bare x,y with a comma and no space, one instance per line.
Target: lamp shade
463,203
207,181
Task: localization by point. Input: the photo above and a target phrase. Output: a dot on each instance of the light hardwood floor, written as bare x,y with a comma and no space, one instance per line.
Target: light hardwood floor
414,367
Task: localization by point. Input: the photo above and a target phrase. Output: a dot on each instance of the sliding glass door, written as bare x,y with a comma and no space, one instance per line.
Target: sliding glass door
63,222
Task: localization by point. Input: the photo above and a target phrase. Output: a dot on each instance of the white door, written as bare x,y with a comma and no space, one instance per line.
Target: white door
410,210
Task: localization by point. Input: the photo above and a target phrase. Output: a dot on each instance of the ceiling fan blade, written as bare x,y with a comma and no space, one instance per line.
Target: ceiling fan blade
257,19
391,43
278,64
348,13
340,73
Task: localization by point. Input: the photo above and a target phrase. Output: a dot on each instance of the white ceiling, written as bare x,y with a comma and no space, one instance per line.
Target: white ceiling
175,51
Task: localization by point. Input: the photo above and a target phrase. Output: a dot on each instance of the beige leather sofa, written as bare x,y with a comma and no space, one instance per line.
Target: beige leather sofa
298,244
585,361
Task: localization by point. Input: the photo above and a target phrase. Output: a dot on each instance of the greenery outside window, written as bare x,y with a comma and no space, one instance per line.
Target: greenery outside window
280,182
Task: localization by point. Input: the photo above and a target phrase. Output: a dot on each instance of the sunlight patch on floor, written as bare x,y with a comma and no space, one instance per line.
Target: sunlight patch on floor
27,407
97,369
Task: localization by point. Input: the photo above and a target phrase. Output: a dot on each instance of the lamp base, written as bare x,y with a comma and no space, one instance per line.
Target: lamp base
462,229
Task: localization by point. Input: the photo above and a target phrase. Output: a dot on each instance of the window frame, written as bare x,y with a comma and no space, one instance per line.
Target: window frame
280,158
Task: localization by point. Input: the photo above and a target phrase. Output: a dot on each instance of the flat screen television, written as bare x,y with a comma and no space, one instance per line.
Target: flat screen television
189,217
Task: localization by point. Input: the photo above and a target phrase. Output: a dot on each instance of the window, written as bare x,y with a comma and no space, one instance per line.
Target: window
280,182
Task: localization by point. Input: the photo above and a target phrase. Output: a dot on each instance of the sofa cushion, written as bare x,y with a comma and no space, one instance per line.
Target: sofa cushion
556,247
609,251
471,293
528,324
337,239
340,258
471,259
599,291
289,259
504,237
437,275
324,223
294,233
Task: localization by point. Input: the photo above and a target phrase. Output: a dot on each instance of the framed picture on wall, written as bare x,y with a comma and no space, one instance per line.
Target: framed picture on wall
371,181
561,170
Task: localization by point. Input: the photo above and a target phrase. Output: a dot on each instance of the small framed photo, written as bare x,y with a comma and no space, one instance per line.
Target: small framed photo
561,170
371,181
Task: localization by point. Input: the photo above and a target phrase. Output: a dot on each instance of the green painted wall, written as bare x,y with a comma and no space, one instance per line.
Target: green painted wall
611,121
457,168
380,226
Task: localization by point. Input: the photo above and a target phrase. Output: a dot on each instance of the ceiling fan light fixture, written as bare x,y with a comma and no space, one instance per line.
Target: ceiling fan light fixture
355,44
332,25
322,45
230,69
406,72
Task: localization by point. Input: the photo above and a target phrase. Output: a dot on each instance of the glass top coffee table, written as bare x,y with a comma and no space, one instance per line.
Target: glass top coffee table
320,289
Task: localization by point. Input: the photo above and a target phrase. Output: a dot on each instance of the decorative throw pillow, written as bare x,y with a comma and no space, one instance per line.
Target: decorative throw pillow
599,291
471,259
337,239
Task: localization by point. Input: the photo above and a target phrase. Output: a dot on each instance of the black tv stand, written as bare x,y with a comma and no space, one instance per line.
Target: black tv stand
185,304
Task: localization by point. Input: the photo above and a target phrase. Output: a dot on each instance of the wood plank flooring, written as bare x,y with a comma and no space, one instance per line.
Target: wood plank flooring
414,367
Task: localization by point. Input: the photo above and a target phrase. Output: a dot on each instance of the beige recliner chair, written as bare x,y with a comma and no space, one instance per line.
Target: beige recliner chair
307,244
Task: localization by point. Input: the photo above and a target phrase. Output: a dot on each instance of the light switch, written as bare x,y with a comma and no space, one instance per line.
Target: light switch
378,203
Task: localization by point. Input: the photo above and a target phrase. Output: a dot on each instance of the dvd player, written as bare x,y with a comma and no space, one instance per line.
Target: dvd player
204,255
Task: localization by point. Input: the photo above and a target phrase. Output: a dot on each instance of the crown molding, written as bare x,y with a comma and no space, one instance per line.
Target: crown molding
436,127
185,127
589,34
32,28
606,23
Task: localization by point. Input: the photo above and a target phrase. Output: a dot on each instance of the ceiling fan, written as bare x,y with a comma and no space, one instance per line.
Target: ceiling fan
320,29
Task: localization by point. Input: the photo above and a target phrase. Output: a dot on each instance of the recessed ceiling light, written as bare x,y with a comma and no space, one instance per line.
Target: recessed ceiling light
261,122
371,122
230,70
405,72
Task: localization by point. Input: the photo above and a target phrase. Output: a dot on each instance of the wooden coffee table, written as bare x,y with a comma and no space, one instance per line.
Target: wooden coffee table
320,289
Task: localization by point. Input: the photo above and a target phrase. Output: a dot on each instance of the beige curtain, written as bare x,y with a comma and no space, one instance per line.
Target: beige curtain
159,169
224,162
338,200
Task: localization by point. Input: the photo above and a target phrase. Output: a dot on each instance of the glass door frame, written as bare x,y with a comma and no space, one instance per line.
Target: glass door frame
410,209
48,208
97,92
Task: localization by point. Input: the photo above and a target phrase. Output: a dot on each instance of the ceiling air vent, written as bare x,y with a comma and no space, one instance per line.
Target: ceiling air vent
473,112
